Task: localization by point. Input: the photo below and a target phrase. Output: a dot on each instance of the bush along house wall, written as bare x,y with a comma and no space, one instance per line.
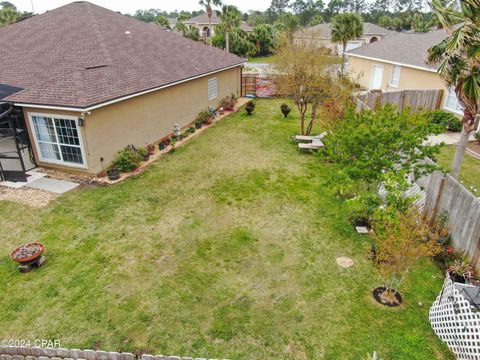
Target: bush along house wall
37,353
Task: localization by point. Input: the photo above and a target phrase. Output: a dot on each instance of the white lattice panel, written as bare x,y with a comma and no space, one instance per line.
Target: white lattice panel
456,322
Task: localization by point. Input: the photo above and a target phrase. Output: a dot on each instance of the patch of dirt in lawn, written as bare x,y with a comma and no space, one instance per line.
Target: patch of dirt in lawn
31,197
475,147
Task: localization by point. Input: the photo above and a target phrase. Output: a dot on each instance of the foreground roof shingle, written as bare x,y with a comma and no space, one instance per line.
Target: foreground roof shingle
404,48
81,55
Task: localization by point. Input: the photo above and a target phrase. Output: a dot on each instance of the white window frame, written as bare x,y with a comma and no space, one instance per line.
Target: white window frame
372,76
80,139
392,83
215,95
450,93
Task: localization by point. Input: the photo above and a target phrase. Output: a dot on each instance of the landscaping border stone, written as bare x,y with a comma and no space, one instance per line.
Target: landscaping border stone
36,353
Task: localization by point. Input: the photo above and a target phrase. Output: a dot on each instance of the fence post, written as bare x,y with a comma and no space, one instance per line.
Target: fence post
437,201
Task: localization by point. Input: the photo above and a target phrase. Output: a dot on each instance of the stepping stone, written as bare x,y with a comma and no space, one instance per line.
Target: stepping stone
344,262
52,185
362,229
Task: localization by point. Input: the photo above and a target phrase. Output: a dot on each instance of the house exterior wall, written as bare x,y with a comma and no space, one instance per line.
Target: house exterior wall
410,79
143,119
315,41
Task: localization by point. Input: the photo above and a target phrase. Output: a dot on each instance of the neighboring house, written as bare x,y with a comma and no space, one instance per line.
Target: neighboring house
321,36
398,63
172,23
202,23
88,81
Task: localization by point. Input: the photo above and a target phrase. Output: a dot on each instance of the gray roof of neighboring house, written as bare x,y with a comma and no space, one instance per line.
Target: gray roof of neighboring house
325,30
408,49
202,19
81,55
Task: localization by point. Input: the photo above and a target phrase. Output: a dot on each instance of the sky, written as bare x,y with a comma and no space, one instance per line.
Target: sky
129,6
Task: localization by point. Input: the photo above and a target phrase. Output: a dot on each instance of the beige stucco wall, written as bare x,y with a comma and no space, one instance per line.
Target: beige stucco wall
410,79
144,119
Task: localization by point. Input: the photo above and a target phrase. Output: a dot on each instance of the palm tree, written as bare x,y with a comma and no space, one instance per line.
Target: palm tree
346,27
208,8
289,24
231,18
163,22
8,16
458,57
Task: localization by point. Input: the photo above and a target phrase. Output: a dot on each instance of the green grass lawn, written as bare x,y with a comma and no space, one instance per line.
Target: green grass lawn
261,60
224,249
470,172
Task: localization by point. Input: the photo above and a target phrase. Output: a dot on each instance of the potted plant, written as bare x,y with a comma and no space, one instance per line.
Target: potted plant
250,106
113,174
285,108
151,149
460,271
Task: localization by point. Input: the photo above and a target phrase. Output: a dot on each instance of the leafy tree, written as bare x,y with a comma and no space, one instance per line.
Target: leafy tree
346,27
385,21
207,4
339,6
419,24
163,22
402,238
190,31
231,19
7,4
147,15
240,42
366,145
8,16
264,37
305,10
289,23
256,17
315,20
459,59
306,78
277,8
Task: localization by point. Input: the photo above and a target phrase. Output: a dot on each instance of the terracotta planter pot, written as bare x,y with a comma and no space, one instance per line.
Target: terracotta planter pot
18,257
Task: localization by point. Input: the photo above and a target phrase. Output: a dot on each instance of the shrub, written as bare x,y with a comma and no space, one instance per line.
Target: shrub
150,148
228,103
445,119
205,117
198,124
127,160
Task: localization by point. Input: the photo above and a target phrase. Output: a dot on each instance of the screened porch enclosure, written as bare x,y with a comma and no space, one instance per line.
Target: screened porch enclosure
16,156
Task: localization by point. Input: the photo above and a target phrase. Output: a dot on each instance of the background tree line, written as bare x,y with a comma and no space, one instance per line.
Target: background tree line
9,14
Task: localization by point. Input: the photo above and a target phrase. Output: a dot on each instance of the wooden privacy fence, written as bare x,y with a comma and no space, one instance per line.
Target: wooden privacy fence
262,86
413,99
444,193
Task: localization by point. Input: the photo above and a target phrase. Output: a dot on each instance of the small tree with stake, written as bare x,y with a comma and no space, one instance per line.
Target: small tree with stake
305,75
402,238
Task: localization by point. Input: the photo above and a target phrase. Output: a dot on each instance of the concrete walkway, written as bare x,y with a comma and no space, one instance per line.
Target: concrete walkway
52,185
449,138
38,180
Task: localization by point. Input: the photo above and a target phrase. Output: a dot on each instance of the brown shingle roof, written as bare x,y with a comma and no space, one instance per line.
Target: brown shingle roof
79,55
409,49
